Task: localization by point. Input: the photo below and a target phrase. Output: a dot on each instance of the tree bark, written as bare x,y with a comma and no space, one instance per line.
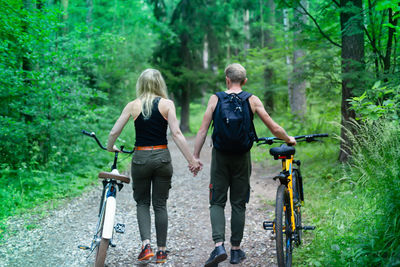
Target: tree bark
351,22
391,30
297,82
185,109
64,4
269,72
246,29
89,17
205,67
185,95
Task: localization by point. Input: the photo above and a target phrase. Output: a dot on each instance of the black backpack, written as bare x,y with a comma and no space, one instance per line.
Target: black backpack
233,123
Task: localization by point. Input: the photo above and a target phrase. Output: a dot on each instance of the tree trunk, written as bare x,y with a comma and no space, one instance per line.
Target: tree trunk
205,67
64,4
269,72
185,95
351,22
26,63
391,30
89,17
286,29
260,2
297,82
185,109
246,29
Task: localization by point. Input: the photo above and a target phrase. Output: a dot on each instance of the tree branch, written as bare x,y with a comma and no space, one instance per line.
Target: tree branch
318,27
372,43
336,2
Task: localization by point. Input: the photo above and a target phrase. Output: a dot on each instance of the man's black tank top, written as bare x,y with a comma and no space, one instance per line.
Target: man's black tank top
153,131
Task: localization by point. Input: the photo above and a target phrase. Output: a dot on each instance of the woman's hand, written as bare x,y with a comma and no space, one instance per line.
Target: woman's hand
195,166
113,149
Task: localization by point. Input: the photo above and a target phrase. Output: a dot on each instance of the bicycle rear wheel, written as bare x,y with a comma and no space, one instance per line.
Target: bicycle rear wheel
283,228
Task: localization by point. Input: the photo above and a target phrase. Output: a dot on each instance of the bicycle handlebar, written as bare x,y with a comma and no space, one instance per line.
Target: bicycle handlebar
300,138
93,135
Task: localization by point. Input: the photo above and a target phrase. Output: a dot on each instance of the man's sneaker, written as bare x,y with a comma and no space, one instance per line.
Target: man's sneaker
146,253
237,256
161,256
217,255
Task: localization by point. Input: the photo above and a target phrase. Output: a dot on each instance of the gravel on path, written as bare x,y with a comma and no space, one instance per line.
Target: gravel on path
55,240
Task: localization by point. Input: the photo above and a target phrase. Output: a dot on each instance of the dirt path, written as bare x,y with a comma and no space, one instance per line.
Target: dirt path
54,242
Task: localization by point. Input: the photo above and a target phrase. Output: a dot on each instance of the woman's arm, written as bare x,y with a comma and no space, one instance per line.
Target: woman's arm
118,127
177,135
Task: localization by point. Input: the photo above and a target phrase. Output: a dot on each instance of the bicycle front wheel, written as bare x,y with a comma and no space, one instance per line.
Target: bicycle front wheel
101,252
283,228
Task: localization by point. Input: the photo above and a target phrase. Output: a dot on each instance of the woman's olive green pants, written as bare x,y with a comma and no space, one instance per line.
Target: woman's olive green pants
151,181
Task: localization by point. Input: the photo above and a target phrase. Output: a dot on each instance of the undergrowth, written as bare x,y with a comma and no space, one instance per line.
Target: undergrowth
356,209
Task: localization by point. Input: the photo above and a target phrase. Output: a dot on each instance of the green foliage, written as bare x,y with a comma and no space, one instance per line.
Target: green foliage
381,101
58,77
356,214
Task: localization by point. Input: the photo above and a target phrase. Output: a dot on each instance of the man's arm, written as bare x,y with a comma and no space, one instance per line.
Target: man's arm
275,129
205,124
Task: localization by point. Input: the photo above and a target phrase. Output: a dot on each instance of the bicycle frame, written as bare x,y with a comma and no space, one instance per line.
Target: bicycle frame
287,167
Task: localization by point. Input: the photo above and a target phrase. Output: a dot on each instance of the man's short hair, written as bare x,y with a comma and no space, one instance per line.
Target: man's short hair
236,73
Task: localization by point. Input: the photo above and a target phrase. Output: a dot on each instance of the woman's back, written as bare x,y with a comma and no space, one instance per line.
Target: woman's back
153,130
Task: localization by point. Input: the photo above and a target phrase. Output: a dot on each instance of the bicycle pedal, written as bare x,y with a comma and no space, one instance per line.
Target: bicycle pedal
119,228
306,228
84,247
268,225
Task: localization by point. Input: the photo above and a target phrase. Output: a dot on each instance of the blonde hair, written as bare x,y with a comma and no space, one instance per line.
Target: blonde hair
150,85
236,73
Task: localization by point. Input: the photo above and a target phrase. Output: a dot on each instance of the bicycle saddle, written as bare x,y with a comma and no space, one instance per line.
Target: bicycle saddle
282,151
115,175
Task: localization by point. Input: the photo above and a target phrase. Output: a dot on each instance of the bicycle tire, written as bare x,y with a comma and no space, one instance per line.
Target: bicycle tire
297,210
101,252
102,247
282,224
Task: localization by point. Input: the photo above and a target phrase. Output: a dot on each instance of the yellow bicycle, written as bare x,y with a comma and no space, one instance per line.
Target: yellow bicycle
289,198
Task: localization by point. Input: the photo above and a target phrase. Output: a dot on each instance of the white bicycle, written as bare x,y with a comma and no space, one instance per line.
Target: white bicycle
106,227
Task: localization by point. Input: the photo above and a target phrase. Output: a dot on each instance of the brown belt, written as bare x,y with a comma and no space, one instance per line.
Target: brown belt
151,147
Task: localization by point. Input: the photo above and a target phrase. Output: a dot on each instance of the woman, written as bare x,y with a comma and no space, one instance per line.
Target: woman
152,112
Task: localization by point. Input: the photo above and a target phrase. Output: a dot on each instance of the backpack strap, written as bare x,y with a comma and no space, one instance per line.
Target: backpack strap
245,97
220,96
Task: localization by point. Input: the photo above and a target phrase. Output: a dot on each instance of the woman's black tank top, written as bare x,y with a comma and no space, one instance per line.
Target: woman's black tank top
153,131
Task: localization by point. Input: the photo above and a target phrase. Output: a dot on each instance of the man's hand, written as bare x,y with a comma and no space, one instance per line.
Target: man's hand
292,141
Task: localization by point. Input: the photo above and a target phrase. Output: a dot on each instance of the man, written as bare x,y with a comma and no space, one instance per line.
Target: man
229,169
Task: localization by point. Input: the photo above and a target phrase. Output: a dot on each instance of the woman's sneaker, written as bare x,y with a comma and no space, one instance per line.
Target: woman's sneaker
161,256
146,253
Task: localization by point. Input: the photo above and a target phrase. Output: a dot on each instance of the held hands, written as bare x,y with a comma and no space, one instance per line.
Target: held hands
195,166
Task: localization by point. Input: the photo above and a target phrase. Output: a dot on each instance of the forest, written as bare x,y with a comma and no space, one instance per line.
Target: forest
319,66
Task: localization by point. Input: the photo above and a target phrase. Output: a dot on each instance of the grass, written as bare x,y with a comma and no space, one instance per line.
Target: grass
355,206
36,190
